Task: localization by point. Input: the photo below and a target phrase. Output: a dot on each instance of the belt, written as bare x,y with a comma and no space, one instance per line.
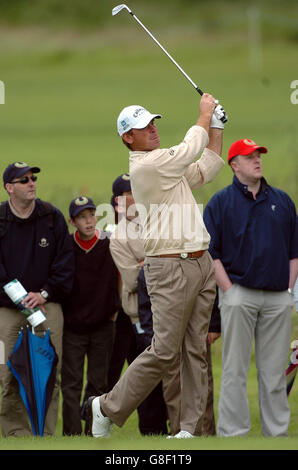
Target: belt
195,254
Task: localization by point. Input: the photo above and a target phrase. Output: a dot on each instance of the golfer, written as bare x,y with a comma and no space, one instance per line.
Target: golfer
178,268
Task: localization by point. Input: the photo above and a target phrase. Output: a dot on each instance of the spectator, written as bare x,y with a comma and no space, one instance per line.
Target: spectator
128,253
125,341
89,314
253,228
34,248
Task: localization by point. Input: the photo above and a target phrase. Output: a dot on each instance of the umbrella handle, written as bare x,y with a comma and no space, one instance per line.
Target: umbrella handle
33,331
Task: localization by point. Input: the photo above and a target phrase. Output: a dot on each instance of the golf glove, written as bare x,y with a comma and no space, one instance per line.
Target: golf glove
219,117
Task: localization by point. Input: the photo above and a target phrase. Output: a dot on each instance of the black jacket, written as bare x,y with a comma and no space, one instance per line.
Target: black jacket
37,251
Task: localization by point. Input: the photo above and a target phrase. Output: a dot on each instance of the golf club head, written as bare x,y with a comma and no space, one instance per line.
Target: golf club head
119,8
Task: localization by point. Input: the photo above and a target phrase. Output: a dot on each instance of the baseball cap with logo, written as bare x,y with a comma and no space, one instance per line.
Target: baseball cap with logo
244,147
17,170
134,117
120,186
79,204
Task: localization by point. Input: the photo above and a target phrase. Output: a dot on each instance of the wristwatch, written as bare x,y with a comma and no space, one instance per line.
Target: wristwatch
44,294
290,291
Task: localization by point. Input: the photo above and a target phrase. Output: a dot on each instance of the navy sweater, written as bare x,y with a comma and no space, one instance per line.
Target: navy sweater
254,239
94,297
38,253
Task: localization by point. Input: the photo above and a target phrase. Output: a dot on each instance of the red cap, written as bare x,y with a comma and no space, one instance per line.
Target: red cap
244,147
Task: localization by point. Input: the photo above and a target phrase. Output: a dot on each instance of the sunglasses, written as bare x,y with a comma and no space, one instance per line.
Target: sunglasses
25,180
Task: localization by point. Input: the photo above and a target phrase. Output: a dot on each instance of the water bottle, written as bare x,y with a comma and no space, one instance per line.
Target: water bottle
17,293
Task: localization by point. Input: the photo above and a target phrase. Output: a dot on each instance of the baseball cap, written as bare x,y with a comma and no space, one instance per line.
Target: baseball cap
134,117
244,147
80,203
16,170
120,185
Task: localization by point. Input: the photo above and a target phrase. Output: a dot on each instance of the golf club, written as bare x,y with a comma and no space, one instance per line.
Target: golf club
121,7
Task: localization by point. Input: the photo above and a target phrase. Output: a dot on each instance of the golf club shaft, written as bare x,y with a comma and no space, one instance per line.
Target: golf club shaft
169,56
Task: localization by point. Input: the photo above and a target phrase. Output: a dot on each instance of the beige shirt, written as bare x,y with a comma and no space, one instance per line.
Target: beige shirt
162,181
127,251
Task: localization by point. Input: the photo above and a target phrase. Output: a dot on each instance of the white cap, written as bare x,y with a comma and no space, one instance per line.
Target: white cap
134,117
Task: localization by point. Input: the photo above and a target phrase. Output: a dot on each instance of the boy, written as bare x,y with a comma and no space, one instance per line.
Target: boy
88,314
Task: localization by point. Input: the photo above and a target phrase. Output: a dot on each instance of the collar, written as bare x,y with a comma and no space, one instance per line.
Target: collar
18,214
138,153
244,188
86,245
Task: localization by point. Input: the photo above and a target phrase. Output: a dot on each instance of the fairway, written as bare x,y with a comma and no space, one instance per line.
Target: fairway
64,88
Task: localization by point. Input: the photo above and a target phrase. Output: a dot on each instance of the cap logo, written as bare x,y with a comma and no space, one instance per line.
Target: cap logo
20,165
249,142
81,201
138,112
126,177
124,124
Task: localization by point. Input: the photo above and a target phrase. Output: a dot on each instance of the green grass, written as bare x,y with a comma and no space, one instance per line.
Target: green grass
64,90
129,438
148,443
64,93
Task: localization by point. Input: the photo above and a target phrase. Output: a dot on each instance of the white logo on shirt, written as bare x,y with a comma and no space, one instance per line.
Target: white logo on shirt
43,243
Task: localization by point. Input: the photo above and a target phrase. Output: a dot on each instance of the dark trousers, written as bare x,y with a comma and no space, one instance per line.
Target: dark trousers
97,347
124,347
128,344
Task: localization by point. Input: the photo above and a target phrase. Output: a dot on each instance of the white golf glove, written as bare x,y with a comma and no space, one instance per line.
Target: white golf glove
219,117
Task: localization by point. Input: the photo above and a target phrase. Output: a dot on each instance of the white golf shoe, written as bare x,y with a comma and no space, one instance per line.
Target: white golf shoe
181,435
100,425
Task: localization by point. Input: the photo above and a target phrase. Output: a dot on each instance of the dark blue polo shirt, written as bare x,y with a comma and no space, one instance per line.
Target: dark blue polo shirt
254,239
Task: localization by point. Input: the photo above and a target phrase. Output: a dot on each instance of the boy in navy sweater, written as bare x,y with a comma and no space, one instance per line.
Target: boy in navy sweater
89,314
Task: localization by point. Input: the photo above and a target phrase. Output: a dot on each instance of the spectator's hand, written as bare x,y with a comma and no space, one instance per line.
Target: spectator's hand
34,299
114,317
227,287
212,337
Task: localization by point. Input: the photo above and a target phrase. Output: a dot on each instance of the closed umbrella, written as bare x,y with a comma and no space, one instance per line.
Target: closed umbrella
33,363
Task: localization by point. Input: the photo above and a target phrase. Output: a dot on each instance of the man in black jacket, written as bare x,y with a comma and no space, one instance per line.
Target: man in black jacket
35,249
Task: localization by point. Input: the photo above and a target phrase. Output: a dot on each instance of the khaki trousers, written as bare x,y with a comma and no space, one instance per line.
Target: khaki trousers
13,415
182,293
248,314
172,396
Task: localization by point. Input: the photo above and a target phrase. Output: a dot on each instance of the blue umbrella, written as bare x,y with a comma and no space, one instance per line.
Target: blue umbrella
33,363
